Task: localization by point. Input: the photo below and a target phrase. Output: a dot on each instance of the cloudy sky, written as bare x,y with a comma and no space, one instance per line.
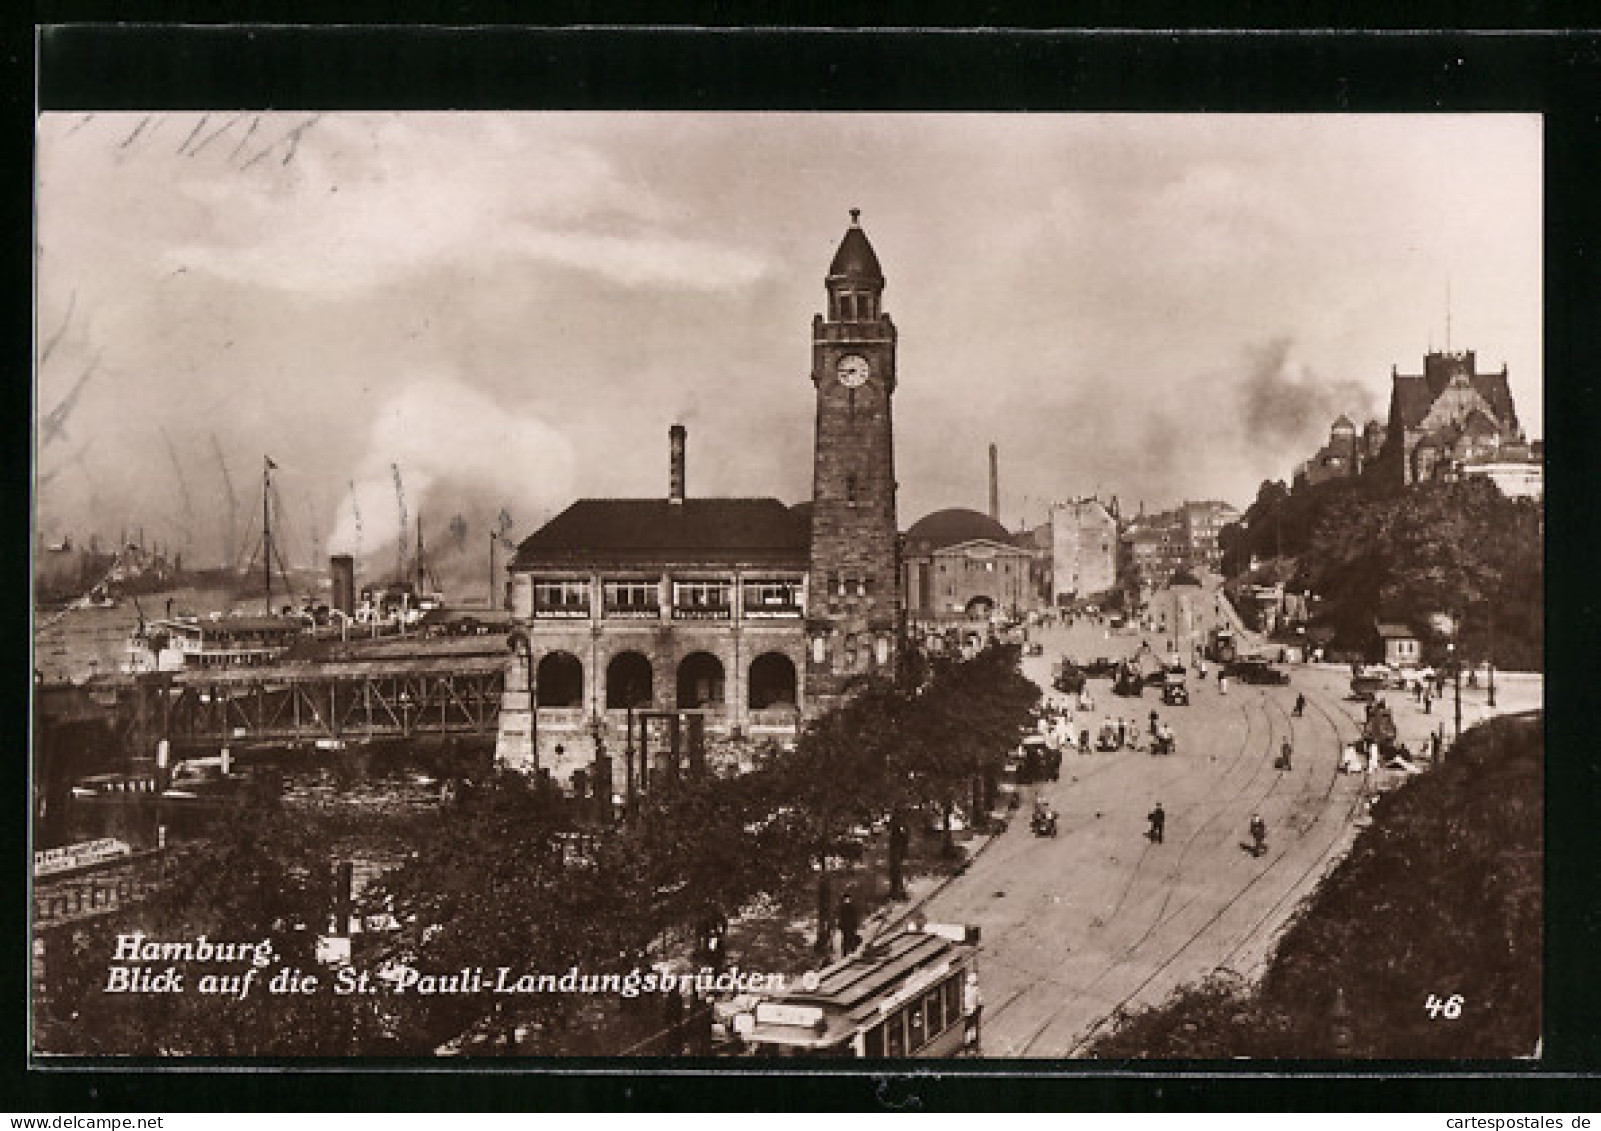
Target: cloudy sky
510,309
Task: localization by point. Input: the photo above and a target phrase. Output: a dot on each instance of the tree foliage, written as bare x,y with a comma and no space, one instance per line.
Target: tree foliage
1461,549
267,879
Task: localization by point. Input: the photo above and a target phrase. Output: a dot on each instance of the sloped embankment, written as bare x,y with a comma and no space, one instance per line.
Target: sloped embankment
1441,895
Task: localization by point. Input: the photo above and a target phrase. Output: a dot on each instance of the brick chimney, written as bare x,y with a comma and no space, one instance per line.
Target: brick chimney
675,477
995,483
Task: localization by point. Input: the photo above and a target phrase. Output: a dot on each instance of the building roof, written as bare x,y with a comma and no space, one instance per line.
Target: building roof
991,547
1410,399
715,531
855,256
1413,396
1343,423
1396,632
952,525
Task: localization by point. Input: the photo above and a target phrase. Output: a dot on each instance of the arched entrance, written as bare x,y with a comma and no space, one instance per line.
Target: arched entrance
629,681
560,680
700,681
980,608
772,681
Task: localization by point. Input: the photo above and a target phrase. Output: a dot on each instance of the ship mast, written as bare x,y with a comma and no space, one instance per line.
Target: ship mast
266,526
421,568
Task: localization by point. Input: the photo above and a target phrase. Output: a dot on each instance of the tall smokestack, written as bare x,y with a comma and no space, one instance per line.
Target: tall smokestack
995,484
675,477
343,569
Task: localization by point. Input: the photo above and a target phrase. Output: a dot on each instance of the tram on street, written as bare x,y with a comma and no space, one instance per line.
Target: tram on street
910,994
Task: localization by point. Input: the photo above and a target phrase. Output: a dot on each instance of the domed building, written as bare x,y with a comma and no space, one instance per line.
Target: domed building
960,564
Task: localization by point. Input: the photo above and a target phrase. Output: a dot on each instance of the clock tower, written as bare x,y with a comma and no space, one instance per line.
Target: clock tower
854,608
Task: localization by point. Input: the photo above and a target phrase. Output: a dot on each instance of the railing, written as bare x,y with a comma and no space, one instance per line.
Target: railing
774,718
561,613
720,612
772,611
632,612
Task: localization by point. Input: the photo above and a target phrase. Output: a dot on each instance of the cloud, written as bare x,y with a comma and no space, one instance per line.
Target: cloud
458,453
367,199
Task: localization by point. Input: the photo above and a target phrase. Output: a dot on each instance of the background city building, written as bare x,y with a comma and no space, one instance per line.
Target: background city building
1451,420
963,565
1084,550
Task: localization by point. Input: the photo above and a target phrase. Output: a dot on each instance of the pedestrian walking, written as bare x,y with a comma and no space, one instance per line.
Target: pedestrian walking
1153,724
1084,746
1122,733
1286,752
1158,819
1222,684
1258,835
849,925
1300,705
972,1011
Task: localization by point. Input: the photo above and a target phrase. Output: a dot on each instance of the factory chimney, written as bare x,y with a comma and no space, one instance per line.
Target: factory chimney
675,478
995,484
343,569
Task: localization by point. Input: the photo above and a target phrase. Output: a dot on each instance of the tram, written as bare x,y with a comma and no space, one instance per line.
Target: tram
912,994
1220,646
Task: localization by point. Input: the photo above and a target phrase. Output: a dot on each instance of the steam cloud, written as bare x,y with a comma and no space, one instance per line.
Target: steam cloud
463,459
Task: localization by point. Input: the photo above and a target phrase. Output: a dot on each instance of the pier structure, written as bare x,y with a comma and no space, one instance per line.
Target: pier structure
329,703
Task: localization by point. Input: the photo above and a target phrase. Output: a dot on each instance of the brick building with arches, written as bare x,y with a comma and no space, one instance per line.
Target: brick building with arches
741,617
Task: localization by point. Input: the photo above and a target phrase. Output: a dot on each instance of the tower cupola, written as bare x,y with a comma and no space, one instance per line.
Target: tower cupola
855,281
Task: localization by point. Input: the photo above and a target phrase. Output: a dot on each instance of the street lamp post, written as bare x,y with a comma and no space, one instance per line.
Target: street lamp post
1489,609
1456,682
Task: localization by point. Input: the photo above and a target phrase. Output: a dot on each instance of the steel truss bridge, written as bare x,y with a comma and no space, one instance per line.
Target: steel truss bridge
294,703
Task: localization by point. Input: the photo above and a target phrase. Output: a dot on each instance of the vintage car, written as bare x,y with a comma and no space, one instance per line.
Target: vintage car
1101,666
1175,692
1036,761
1068,677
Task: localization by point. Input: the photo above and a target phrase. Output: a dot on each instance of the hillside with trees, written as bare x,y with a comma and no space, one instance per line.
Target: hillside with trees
1372,554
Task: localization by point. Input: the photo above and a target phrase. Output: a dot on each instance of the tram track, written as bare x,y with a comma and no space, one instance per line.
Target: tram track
1244,751
1323,857
1319,861
1257,749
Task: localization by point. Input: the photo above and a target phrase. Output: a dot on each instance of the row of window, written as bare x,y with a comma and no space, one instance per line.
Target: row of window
849,306
989,566
571,597
918,1023
855,653
841,584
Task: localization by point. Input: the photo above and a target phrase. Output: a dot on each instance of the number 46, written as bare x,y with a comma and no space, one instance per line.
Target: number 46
1451,1007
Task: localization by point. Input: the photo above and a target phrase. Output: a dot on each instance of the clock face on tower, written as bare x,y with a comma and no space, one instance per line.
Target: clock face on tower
853,371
